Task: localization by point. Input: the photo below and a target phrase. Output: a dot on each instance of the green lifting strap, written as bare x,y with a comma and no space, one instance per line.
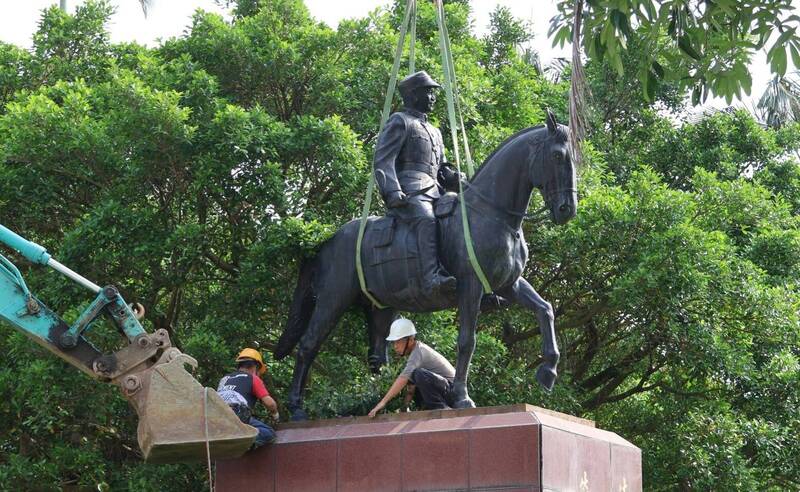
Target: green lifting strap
449,83
387,106
412,35
467,153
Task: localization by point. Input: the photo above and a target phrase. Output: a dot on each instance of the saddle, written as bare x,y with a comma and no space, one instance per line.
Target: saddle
390,257
445,205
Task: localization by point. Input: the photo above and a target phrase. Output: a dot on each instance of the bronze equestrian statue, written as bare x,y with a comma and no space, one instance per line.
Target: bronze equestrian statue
401,268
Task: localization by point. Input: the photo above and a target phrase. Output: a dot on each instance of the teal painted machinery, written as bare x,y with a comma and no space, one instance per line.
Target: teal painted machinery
179,420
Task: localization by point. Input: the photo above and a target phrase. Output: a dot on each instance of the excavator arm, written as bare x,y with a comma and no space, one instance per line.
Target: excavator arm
179,420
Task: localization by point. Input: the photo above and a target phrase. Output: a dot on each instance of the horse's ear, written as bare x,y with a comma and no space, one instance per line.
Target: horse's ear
552,124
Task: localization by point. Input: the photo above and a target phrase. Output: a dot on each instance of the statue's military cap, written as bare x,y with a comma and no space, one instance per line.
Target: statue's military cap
416,80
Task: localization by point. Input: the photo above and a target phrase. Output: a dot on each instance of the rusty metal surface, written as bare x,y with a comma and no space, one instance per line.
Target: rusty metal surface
173,410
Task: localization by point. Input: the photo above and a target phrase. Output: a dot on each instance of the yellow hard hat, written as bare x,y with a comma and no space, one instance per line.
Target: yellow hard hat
252,354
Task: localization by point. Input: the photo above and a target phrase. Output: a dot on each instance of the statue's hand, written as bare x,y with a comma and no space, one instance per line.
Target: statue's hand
396,199
449,177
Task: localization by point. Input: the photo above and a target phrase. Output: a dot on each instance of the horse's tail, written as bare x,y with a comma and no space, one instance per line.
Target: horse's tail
300,311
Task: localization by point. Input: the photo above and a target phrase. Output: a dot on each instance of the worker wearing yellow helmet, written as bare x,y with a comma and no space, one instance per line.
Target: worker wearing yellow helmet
241,390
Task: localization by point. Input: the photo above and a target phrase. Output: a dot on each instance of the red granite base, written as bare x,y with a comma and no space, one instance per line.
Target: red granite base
511,448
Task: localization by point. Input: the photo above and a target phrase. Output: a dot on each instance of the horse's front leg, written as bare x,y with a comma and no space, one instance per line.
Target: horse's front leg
522,293
469,301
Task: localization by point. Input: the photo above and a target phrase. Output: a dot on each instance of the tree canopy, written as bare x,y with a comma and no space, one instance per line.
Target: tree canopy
711,42
196,176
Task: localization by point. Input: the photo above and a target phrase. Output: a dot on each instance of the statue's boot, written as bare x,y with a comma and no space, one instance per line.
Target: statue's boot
434,282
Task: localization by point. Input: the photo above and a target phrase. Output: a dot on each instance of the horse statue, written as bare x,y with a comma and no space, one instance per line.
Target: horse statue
497,198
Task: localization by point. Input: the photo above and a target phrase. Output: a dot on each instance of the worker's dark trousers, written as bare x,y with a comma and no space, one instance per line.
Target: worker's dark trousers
433,388
265,433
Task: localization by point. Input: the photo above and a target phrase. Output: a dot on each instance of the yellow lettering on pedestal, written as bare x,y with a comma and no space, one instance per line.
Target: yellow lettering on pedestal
585,482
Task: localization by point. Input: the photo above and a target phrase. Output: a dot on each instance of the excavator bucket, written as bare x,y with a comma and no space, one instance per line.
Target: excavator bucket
180,420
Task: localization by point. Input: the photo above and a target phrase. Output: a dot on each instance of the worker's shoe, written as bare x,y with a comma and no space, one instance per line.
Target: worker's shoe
259,444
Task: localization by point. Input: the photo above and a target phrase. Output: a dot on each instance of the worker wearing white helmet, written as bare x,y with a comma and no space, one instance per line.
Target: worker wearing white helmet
426,370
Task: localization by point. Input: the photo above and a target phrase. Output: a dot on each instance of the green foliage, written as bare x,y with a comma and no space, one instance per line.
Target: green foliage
713,41
12,66
669,314
621,101
197,176
66,47
279,58
729,143
506,35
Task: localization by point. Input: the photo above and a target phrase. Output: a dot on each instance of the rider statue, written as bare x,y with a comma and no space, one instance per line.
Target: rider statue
411,173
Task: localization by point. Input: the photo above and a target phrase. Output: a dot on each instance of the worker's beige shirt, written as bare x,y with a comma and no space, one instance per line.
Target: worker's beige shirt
426,358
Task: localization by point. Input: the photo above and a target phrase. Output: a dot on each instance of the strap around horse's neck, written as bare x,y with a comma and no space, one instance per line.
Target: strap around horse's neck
503,210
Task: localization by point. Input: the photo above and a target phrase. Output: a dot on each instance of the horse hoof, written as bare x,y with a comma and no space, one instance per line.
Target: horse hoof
546,377
299,415
465,403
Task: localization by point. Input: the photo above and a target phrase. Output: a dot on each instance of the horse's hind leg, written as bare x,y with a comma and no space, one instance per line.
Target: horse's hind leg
324,318
522,293
378,321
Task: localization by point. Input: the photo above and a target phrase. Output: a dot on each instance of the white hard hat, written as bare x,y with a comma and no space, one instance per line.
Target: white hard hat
401,328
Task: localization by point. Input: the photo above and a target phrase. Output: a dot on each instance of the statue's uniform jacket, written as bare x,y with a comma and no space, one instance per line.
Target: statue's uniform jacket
408,156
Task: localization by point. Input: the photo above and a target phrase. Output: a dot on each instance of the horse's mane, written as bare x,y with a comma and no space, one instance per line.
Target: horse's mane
560,132
500,147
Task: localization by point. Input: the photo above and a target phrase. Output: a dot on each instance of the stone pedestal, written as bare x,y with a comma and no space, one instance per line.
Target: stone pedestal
510,448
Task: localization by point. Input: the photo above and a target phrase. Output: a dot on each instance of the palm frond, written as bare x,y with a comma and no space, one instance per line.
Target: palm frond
532,58
146,4
577,93
780,102
556,69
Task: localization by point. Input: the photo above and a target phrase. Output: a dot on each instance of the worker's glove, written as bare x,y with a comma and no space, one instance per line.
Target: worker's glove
276,416
396,199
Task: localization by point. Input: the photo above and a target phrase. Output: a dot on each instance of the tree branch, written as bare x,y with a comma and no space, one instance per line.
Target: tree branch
220,263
